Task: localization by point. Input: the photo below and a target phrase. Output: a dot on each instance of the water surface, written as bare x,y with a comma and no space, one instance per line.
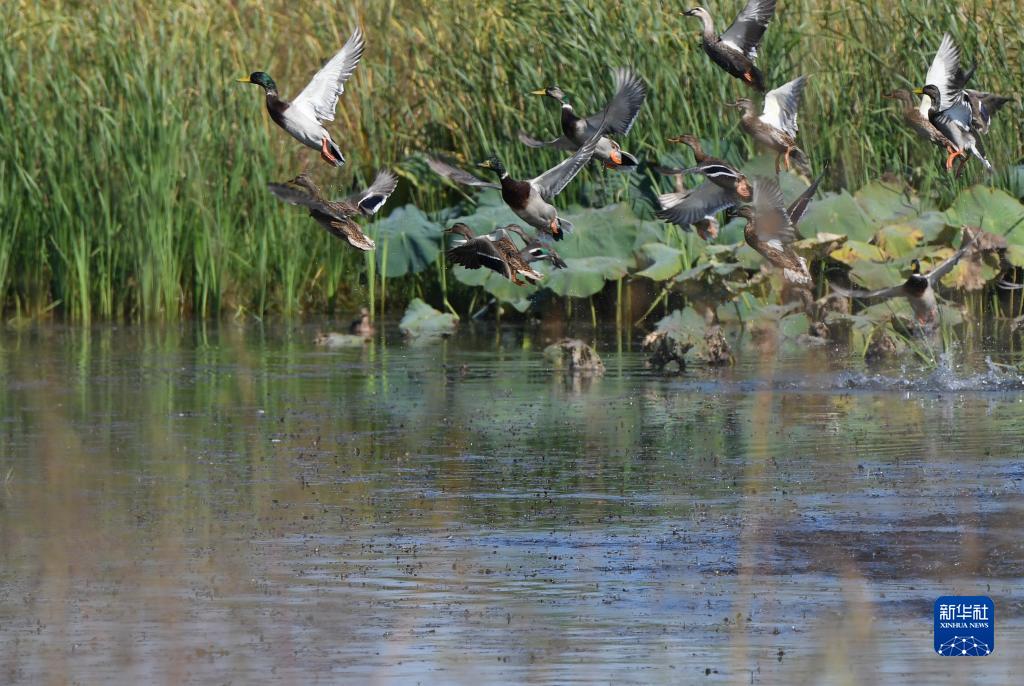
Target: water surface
239,506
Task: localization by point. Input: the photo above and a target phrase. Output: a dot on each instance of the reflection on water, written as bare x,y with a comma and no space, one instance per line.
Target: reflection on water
240,506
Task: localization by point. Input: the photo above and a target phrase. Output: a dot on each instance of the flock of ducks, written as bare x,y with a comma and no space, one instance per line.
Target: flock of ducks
948,115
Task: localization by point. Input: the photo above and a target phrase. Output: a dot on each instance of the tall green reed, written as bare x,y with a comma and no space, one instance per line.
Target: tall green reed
133,167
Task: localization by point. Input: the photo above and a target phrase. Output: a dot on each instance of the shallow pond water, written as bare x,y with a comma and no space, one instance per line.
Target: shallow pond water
240,506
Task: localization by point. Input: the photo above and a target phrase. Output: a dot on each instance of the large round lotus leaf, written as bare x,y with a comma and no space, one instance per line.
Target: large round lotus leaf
970,274
420,319
898,240
748,257
856,251
819,246
665,261
731,233
659,232
683,325
491,212
794,325
1015,255
495,284
874,275
885,202
609,232
837,213
990,208
934,226
586,276
408,240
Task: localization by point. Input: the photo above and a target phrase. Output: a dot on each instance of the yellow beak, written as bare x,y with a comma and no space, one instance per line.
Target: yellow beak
542,91
918,91
245,80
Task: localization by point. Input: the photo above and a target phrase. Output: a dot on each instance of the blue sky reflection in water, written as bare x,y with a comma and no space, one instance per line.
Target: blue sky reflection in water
183,506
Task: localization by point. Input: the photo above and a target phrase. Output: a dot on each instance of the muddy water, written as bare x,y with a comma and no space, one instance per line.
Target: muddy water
239,506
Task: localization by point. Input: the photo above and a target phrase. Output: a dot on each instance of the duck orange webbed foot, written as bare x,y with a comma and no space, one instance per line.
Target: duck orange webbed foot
326,154
953,154
615,157
556,230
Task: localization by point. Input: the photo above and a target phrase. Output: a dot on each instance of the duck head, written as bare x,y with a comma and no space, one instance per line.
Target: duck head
932,91
704,16
745,211
460,229
744,104
900,94
553,92
261,78
495,165
686,139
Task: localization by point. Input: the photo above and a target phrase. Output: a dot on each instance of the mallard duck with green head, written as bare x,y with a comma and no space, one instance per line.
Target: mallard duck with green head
536,250
961,115
776,127
336,215
918,289
617,118
495,251
304,116
530,199
735,50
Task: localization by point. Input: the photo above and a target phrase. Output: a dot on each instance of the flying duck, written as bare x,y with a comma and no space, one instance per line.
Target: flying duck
618,117
529,199
736,48
336,215
918,289
918,122
771,231
776,128
957,114
303,117
494,251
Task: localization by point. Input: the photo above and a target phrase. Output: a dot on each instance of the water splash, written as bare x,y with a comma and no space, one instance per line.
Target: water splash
946,377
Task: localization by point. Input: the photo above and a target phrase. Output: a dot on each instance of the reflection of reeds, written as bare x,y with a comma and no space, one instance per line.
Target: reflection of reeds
132,174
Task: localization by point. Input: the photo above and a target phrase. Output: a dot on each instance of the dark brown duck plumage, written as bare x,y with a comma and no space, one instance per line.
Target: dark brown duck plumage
494,251
336,215
736,48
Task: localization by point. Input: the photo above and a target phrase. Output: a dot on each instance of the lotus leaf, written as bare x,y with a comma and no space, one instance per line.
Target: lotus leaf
990,208
407,240
838,213
422,320
586,276
666,262
898,240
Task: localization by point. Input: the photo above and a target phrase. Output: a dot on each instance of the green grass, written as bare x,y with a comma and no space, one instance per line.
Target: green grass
133,167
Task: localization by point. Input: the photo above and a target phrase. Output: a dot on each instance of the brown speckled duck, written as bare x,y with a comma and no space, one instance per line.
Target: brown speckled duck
776,128
336,215
771,232
494,251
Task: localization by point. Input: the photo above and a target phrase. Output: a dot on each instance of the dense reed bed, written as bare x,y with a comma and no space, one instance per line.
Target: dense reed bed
132,169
